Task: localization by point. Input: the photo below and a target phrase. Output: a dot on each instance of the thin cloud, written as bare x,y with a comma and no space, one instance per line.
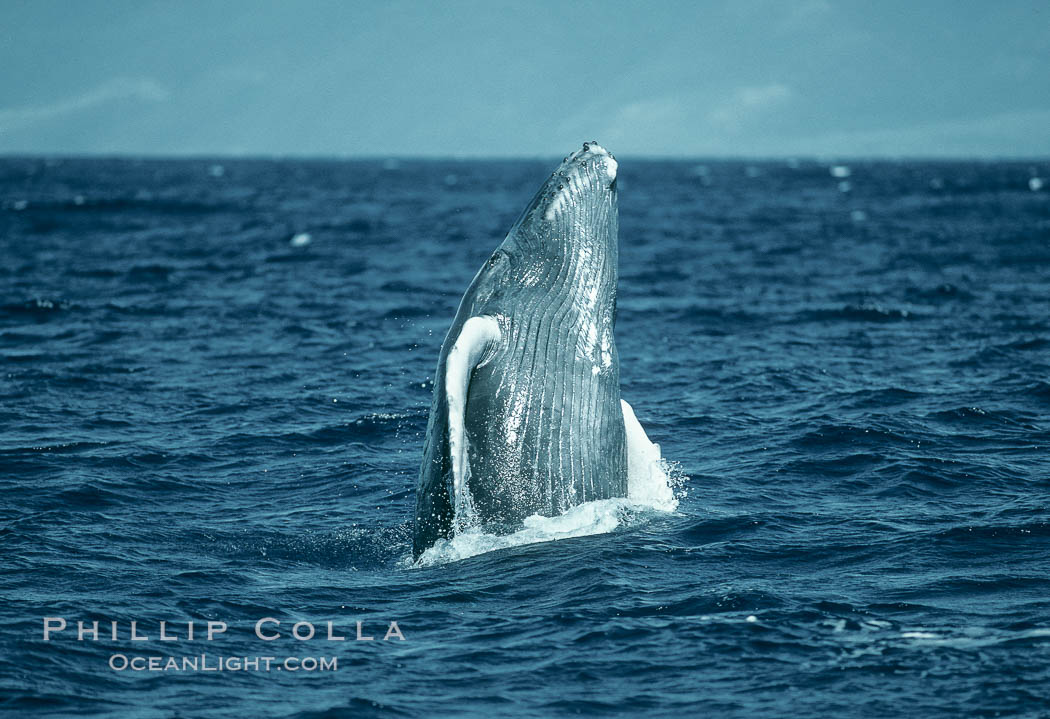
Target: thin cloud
801,16
143,89
1007,134
746,102
639,118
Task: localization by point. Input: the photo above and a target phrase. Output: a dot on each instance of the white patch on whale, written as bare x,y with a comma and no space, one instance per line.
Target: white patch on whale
647,482
477,335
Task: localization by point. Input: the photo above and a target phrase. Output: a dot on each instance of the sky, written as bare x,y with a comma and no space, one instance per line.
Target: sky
752,78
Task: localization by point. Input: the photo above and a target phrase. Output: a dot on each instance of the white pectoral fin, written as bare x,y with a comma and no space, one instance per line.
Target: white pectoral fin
477,336
646,479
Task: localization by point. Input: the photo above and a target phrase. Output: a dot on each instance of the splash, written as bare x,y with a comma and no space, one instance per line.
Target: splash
652,484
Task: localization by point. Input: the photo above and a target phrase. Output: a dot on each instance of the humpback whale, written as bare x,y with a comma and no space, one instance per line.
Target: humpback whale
526,416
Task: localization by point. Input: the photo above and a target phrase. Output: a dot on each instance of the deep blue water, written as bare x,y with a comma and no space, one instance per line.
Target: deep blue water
202,420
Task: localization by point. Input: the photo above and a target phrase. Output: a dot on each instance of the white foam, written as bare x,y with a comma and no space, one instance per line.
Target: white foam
596,517
301,239
1035,184
841,171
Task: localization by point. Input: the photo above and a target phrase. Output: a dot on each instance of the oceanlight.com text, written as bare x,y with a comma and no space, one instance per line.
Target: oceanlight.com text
213,663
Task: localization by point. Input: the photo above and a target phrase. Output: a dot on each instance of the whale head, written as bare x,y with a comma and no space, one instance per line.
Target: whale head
578,200
565,241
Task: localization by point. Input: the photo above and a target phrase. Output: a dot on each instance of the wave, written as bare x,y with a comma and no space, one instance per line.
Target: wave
352,548
859,313
39,308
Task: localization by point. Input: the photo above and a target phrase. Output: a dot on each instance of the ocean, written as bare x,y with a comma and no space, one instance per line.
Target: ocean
215,377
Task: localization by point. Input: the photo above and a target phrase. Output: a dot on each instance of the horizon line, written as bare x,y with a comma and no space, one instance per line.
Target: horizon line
437,157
